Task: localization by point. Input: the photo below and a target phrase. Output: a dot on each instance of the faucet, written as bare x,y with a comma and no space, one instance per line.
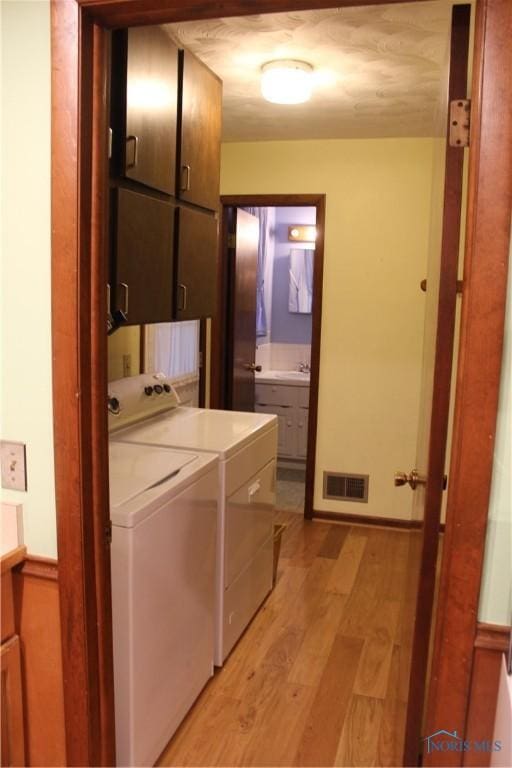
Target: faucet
304,367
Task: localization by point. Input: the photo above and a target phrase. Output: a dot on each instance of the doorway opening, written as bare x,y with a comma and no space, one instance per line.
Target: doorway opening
266,339
71,535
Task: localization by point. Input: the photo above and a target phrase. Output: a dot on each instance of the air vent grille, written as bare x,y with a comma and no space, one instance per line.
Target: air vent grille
344,487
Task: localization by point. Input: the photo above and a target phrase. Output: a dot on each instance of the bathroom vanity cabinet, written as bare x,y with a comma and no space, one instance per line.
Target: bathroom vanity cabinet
290,403
164,178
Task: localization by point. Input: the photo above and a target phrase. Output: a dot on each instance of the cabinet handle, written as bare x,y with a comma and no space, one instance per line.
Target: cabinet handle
135,140
183,303
126,296
185,172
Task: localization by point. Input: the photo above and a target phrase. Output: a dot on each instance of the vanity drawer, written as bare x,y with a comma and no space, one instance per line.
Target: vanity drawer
275,394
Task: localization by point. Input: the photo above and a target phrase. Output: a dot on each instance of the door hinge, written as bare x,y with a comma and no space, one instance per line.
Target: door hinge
108,532
201,362
460,119
231,240
110,135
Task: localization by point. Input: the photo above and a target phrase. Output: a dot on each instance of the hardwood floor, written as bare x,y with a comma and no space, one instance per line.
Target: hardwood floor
318,677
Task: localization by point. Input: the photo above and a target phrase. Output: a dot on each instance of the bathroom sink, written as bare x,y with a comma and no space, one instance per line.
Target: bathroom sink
300,375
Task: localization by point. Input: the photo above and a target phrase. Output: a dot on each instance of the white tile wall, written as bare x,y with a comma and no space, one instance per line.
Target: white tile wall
282,357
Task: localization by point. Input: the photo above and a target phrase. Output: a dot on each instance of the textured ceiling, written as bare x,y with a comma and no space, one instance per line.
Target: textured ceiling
381,70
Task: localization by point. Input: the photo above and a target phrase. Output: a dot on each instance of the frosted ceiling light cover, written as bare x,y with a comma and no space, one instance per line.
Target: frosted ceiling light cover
287,82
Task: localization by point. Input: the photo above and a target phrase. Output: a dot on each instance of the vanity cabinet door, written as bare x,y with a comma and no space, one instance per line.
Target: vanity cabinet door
197,264
151,108
144,279
13,747
286,427
201,118
302,432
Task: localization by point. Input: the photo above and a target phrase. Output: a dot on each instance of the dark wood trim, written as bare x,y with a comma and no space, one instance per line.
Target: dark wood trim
142,349
440,406
122,13
39,567
99,277
284,200
219,321
73,338
272,201
491,643
388,522
316,339
202,368
478,375
492,637
79,380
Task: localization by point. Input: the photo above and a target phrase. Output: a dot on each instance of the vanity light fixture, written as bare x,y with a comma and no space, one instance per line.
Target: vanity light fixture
301,233
287,81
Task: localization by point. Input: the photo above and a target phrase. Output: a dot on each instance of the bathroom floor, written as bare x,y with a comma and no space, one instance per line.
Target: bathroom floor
319,678
290,489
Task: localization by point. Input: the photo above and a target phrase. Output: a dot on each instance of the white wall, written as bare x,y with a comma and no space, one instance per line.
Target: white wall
26,407
496,595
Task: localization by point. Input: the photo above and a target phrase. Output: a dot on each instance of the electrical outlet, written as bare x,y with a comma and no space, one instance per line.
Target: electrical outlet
14,470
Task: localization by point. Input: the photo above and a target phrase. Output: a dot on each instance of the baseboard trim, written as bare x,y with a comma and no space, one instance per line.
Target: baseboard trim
390,522
491,642
39,567
492,637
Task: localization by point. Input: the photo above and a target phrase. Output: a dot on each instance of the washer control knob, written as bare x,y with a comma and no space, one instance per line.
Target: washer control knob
167,387
158,389
148,390
114,406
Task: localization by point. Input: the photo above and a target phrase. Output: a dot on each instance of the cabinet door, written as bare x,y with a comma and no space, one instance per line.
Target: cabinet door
151,108
286,427
302,432
13,743
197,264
201,111
144,258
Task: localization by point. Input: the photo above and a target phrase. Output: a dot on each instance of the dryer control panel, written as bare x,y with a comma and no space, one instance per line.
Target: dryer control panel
139,397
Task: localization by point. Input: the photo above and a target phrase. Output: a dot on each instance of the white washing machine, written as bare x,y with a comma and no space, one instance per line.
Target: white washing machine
163,506
246,444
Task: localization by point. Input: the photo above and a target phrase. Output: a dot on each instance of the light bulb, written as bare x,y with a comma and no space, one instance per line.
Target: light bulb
287,82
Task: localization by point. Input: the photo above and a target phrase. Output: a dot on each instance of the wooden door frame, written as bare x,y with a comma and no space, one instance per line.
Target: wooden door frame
218,336
79,152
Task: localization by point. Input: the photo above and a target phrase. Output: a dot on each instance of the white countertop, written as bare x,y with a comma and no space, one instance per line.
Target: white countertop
294,378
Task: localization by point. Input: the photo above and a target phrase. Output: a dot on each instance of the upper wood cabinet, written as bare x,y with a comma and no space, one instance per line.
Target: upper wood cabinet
197,264
201,122
151,108
165,112
144,257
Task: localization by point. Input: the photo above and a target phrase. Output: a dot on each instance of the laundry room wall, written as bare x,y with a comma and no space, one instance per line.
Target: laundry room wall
496,595
25,283
378,216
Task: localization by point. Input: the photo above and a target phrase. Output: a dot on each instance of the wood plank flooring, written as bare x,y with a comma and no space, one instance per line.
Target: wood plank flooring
317,678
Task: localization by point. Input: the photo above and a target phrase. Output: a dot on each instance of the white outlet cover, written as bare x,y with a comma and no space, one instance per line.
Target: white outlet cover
13,460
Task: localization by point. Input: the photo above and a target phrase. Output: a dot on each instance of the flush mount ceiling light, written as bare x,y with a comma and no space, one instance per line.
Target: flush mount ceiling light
287,81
